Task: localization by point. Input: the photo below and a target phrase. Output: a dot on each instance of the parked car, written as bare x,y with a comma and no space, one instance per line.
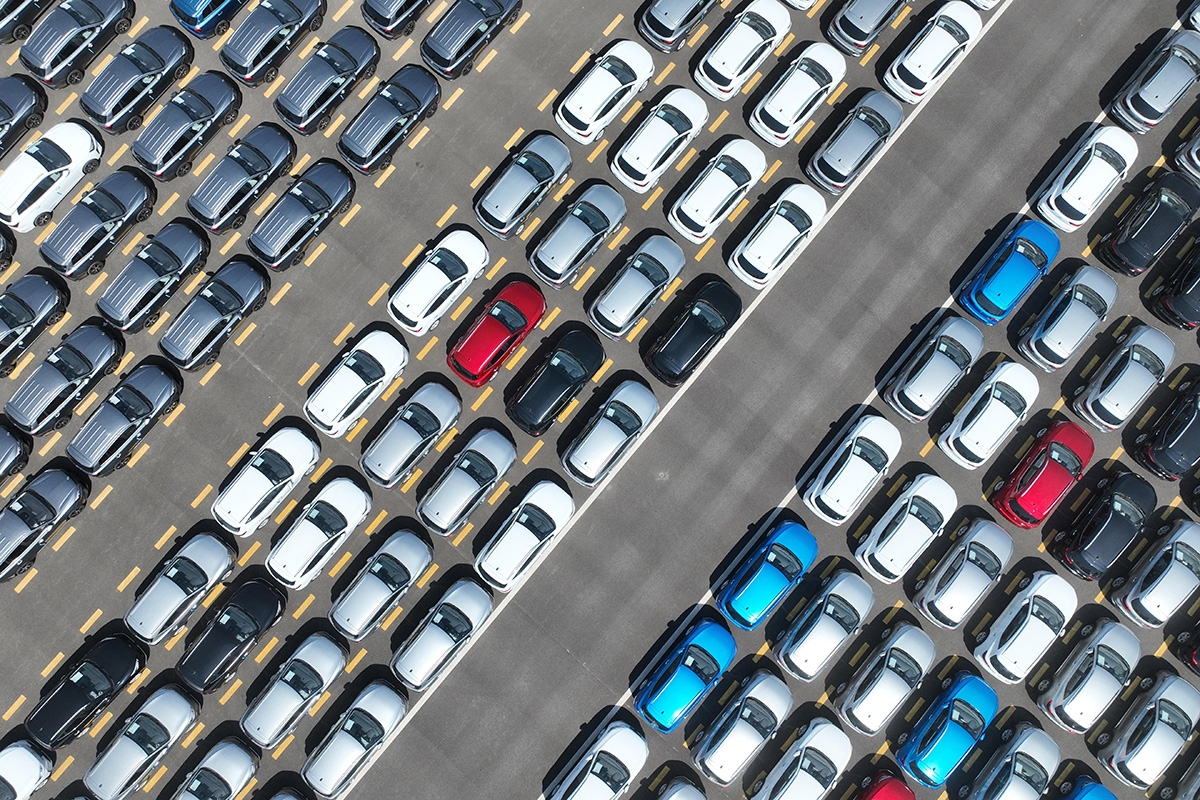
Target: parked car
239,623
659,139
1171,448
1086,177
1009,273
1080,304
23,769
680,788
1078,692
934,52
15,448
667,24
556,381
830,619
392,19
1176,299
1151,225
45,172
467,481
858,23
355,742
94,226
319,531
205,18
885,785
577,234
268,35
293,691
424,293
301,214
684,675
230,295
1152,732
499,327
309,100
17,18
1106,526
228,766
32,517
1035,617
1164,578
724,749
223,200
964,575
1000,403
607,768
951,726
811,766
1116,389
135,298
855,467
702,323
912,522
450,48
886,680
270,471
1024,764
365,370
1050,468
934,368
1170,71
186,125
856,141
543,513
28,305
380,585
723,183
779,236
370,142
617,424
66,41
636,285
808,81
410,434
166,601
442,635
22,100
742,48
767,575
602,91
133,80
522,183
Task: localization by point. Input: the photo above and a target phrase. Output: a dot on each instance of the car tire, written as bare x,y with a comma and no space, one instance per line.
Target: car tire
43,219
112,367
21,32
271,74
182,169
75,512
368,73
1006,735
61,422
902,739
1066,787
1100,484
221,27
88,169
1041,433
144,214
16,468
466,69
1163,530
1144,684
33,120
1183,637
1087,630
6,370
757,787
231,117
1024,582
1117,583
918,586
1141,438
1043,685
981,637
134,123
323,123
865,782
237,222
123,24
150,319
75,77
211,359
1103,739
964,791
946,683
182,70
409,27
316,23
95,267
258,304
343,207
1059,537
841,688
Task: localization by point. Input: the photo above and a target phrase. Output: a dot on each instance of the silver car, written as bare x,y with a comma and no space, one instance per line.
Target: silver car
224,771
540,516
427,291
1035,617
1167,74
293,690
855,466
636,286
1114,391
811,766
442,635
1080,305
30,518
380,585
320,529
934,52
886,680
360,736
934,369
23,769
779,237
829,620
577,234
410,434
1077,692
915,518
809,79
603,90
856,142
606,770
858,23
522,184
719,187
269,472
1021,768
1164,578
998,405
363,373
742,48
964,575
136,750
467,481
724,749
660,138
178,587
1152,733
611,431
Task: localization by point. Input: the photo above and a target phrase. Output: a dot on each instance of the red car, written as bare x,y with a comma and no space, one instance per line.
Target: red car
498,330
1052,466
886,786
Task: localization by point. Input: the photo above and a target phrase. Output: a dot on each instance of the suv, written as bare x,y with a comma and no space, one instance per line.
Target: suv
234,292
450,48
297,218
88,232
136,77
324,80
264,40
1151,225
186,124
64,44
223,199
1168,73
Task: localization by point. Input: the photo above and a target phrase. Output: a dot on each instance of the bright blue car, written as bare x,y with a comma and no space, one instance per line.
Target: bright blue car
952,725
1089,789
205,18
1005,279
768,575
686,675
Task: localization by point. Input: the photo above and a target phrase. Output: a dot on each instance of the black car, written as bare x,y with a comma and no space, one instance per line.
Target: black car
134,300
322,191
79,243
406,98
141,399
8,246
1176,300
1148,228
702,323
1172,449
15,447
264,40
28,306
232,293
450,48
63,44
136,78
84,691
35,513
393,18
556,381
227,193
667,24
309,99
22,108
1106,526
233,631
17,18
186,124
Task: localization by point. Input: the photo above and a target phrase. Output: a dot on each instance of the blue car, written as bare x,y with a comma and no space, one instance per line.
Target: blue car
1089,789
950,727
205,18
686,675
768,575
1007,277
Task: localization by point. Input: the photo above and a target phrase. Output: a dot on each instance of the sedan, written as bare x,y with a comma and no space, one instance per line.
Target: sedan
69,38
56,387
830,619
556,381
1007,276
1050,469
237,626
187,124
426,292
1125,379
1152,733
779,236
742,48
964,575
83,691
659,139
205,18
811,766
667,24
1170,71
392,19
309,100
380,585
934,368
462,33
702,323
301,214
606,770
1171,448
684,675
133,754
499,327
1164,578
260,45
1086,177
950,727
886,680
1106,526
522,183
637,284
858,23
577,234
723,183
855,467
542,515
855,142
1021,767
724,749
224,198
44,173
23,769
78,245
998,405
1151,224
131,410
1080,304
134,300
467,481
914,520
31,518
322,527
934,52
293,690
767,575
369,143
410,434
230,295
133,81
1078,692
226,770
164,604
367,369
1176,300
269,473
617,424
808,81
602,91
29,305
360,736
1035,617
442,635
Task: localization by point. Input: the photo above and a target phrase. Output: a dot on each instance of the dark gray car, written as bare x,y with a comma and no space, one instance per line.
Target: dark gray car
556,381
141,399
22,108
309,99
856,142
63,44
136,78
186,124
17,18
393,18
859,22
236,290
450,48
701,324
297,218
577,234
34,514
28,306
15,447
667,24
264,40
522,183
79,243
225,196
405,99
51,392
134,300
636,286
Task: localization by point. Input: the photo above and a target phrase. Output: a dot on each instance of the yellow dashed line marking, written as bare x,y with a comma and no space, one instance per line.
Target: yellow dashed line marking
65,104
482,397
447,215
399,54
612,26
375,523
25,582
517,134
547,101
249,554
697,34
208,487
581,61
704,249
124,584
49,445
633,334
100,497
904,12
13,708
350,214
428,346
457,93
63,767
321,470
166,537
662,76
437,11
237,126
225,248
213,370
416,140
517,25
87,626
411,481
500,262
192,736
562,190
470,526
392,617
362,652
245,334
483,173
231,691
486,60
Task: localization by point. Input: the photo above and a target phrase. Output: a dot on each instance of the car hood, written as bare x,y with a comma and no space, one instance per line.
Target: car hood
105,427
242,495
671,701
64,708
190,328
1072,328
509,192
594,451
949,747
123,296
214,195
1010,282
303,90
1156,753
1172,590
448,36
1051,483
818,645
280,225
502,562
155,607
453,497
843,492
424,655
1127,392
875,708
1092,697
334,763
19,177
704,200
485,343
558,250
624,297
768,247
727,758
422,288
760,590
291,555
924,59
592,94
928,384
329,403
369,594
120,762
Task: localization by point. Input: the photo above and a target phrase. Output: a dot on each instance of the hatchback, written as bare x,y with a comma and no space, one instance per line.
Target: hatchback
164,603
1170,71
309,100
811,766
1078,692
856,141
205,18
360,736
410,433
467,481
301,214
556,381
723,749
1080,304
543,514
271,470
361,375
1171,448
442,635
809,79
226,769
293,690
186,124
239,623
1165,577
702,323
380,585
617,424
392,19
106,213
886,679
322,526
105,442
637,284
855,467
767,575
28,305
519,187
230,295
424,293
934,368
45,172
23,769
667,24
136,78
1050,468
224,198
1107,526
998,405
577,234
659,139
1034,619
34,514
964,575
369,143
951,726
723,183
607,768
742,48
1151,224
69,38
603,90
934,52
1009,273
135,298
1152,733
779,236
830,619
684,675
914,520
499,327
858,23
461,34
1086,177
260,45
1022,766
1116,389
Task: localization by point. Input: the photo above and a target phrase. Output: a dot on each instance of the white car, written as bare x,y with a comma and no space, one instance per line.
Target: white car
1164,578
23,770
410,434
380,585
993,411
1087,176
899,537
885,680
853,469
725,182
934,369
1022,766
778,239
808,81
811,766
1081,304
367,369
540,516
1152,733
1032,621
742,48
660,138
293,690
227,768
426,291
724,749
1116,388
45,172
603,90
134,753
360,736
835,615
322,527
178,587
606,770
680,788
271,471
964,575
934,53
442,635
1076,694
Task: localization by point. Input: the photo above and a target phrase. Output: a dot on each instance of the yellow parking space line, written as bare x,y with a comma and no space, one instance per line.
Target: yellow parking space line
833,98
334,126
28,358
285,511
428,346
341,12
208,487
192,736
411,481
266,201
63,538
375,523
662,76
341,337
597,150
199,170
1188,128
716,123
391,390
671,289
25,582
530,227
65,104
631,111
549,320
137,456
1162,648
581,61
244,559
46,231
368,87
812,12
116,156
501,489
466,530
483,173
486,60
353,433
562,190
53,665
532,452
446,439
231,691
1087,251
166,537
13,58
783,46
516,358
517,25
615,242
315,254
766,178
245,334
82,408
87,626
278,751
379,293
517,134
437,11
20,701
321,470
350,214
483,396
392,617
704,249
424,579
98,499
447,215
96,284
737,212
457,312
633,334
653,198
174,640
605,367
612,26
128,579
362,652
1124,205
416,140
452,99
208,376
341,564
49,445
104,62
904,12
547,101
274,87
266,650
62,768
225,248
237,127
10,486
754,79
1157,166
308,48
687,157
500,262
416,251
566,412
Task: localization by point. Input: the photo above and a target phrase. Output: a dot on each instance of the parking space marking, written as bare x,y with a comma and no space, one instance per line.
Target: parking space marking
341,12
53,665
437,11
100,497
1124,205
63,767
87,626
334,126
350,214
128,579
633,334
116,156
20,701
13,58
244,559
486,60
237,127
530,228
213,370
82,408
166,537
300,164
533,451
231,691
501,489
615,242
695,37
446,439
174,640
466,530
783,46
687,157
192,736
1119,451
754,79
483,396
904,12
104,62
833,98
1157,166
515,358
428,346
96,284
174,415
605,367
199,170
517,134
500,262
411,481
245,334
599,148
549,320
278,751
341,337
812,12
66,103
517,25
653,198
359,656
416,140
391,390
612,26
662,76
704,249
1087,251
737,212
225,248
358,428
8,272
274,87
27,359
766,178
483,173
566,412
49,444
208,487
375,523
447,215
10,486
321,470
562,190
21,584
63,538
266,651
452,99
241,451
287,509
46,231
392,617
545,102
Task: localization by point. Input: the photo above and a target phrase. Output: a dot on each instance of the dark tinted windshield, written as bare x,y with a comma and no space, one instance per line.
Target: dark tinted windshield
237,623
508,315
697,660
452,622
147,733
186,575
390,572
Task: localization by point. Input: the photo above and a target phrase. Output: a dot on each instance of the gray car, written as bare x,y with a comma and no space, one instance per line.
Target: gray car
85,236
224,198
136,77
135,298
225,771
360,736
442,635
389,117
577,234
667,24
380,585
1081,303
1139,362
543,513
522,183
611,431
260,45
15,447
178,586
856,142
34,514
462,33
234,292
29,305
467,481
410,434
858,23
830,619
53,390
934,368
886,679
70,37
293,690
299,216
1078,692
964,575
1168,74
309,100
187,124
636,286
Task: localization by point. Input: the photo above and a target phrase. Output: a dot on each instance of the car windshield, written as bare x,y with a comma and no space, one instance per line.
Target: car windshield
145,59
733,169
91,680
1031,772
1090,300
1110,157
785,561
237,623
478,468
14,313
509,316
794,216
841,612
610,771
953,351
650,269
83,12
249,158
327,519
1044,610
869,452
536,522
402,100
284,11
390,572
873,121
186,575
967,717
623,417
565,363
1108,660
758,716
924,511
365,367
1174,718
273,466
159,259
618,69
1174,204
452,622
591,217
1127,509
903,665
7,792
708,317
1069,461
310,196
363,728
31,510
815,763
1188,557
148,734
302,678
221,297
673,117
103,205
983,558
1140,355
207,785
130,403
49,155
535,165
195,106
338,58
818,73
1032,252
69,362
1009,397
420,420
704,666
450,264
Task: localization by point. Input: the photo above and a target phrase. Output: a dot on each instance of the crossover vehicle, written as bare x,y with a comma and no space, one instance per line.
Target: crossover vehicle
361,375
1151,225
810,767
542,514
742,48
94,226
450,48
685,675
617,424
1171,448
1080,304
886,679
34,514
702,323
293,691
964,575
1176,300
370,142
242,619
1152,733
858,23
442,635
105,442
1164,578
499,327
607,768
410,434
205,18
912,522
855,467
66,41
271,470
1035,617
556,381
225,300
934,368
1170,71
1086,177
358,738
724,749
45,172
28,305
659,139
378,588
602,91
998,405
268,35
225,770
1050,468
135,298
186,124
1023,765
1106,526
301,214
308,101
779,236
830,619
15,448
134,80
723,183
951,726
319,530
767,575
577,234
808,81
424,293
856,141
17,18
1078,692
177,587
636,286
467,481
524,181
1007,276
934,52
1125,379
392,19
223,200
667,24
